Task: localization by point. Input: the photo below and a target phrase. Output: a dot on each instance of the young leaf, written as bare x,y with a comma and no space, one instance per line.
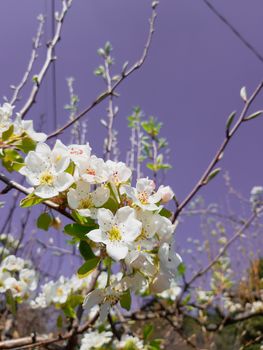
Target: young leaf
125,300
254,115
88,267
85,250
212,175
181,269
44,221
77,230
147,331
229,122
30,200
6,134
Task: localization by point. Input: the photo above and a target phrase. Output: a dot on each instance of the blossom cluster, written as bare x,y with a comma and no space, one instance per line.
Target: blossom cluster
17,276
125,224
19,126
95,340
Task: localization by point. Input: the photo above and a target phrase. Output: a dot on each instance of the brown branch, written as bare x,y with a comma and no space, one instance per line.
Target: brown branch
234,30
22,189
49,58
125,74
223,250
218,156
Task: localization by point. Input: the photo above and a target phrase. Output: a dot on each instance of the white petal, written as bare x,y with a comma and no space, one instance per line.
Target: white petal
100,196
45,191
105,219
93,298
85,212
73,200
104,310
131,230
124,213
63,181
97,236
116,250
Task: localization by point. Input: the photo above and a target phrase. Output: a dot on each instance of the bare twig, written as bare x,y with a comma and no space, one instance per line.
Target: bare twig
49,58
33,57
224,248
234,30
204,178
125,74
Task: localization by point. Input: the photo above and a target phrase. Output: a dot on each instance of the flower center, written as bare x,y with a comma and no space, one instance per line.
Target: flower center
115,234
46,178
90,171
59,292
113,299
86,203
130,345
143,197
143,235
18,288
75,151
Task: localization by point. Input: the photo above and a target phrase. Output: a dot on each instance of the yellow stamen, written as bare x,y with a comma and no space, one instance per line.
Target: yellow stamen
115,234
46,178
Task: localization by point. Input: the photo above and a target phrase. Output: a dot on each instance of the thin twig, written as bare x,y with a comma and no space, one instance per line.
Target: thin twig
49,59
33,57
125,74
234,30
218,156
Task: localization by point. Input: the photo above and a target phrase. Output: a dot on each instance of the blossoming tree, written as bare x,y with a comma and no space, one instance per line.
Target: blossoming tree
120,223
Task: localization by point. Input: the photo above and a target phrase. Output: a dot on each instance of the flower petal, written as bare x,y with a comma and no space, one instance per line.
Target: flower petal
63,181
116,250
97,236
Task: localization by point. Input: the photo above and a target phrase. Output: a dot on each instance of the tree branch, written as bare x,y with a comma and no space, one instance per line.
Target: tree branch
125,74
49,58
218,156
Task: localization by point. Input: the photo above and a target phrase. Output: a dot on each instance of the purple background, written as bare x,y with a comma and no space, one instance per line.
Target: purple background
191,79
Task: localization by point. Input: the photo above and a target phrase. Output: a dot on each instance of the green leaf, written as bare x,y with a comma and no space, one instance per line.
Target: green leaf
44,221
10,158
59,322
10,301
212,175
30,200
254,115
230,121
69,311
75,300
166,213
85,250
6,134
125,300
88,267
147,331
181,269
155,344
186,299
77,230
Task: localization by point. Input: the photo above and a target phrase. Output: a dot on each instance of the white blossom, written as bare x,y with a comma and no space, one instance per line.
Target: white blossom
82,199
143,195
45,170
129,342
95,340
116,232
26,126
